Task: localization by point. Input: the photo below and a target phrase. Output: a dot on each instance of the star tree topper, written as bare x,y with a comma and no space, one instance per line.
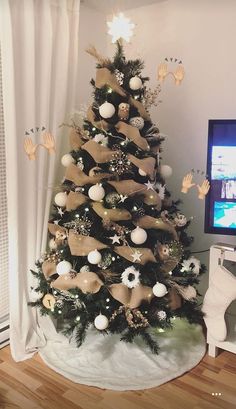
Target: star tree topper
120,28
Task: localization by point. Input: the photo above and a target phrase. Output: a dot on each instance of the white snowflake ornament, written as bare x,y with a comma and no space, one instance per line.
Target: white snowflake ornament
191,264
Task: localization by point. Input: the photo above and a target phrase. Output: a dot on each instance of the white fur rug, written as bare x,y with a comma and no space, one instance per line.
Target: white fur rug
105,362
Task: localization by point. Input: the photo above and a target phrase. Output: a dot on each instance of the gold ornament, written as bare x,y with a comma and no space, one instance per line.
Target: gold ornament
49,301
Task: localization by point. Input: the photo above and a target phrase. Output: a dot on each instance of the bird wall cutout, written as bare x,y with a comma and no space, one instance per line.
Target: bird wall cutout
30,147
187,183
163,71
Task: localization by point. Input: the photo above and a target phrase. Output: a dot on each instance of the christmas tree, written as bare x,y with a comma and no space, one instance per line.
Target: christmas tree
119,257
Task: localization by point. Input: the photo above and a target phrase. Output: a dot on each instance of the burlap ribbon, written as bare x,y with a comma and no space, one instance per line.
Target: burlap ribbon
48,268
82,245
127,252
131,188
146,164
54,228
114,215
174,298
131,298
105,77
99,153
79,178
133,134
148,222
87,282
101,124
75,200
75,140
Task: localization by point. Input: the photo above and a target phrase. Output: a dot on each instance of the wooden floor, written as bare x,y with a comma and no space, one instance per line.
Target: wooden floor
32,385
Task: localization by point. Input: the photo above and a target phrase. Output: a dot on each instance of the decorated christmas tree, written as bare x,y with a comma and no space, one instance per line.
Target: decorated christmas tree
119,257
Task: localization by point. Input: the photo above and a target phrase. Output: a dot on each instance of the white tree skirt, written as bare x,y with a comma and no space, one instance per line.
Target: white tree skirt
105,362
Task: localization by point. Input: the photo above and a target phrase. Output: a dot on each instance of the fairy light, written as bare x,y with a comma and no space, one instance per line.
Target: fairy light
120,28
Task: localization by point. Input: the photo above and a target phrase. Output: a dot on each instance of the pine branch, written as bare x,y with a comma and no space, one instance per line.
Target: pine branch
149,341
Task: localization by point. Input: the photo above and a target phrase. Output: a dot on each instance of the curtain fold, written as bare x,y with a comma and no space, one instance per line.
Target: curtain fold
39,42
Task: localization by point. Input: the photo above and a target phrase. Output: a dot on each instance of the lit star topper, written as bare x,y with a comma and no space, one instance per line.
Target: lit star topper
120,28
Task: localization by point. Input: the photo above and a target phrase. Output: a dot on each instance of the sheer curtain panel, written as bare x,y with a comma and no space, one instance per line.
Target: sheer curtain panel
39,43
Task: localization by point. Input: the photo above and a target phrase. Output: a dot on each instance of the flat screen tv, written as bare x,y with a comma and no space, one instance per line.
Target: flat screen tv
220,205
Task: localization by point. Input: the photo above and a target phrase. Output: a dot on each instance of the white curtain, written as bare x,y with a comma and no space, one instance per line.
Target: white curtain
39,43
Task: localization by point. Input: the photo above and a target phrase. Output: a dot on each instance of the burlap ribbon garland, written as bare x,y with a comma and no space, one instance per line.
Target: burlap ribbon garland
87,282
54,228
133,134
127,252
131,188
100,124
114,215
131,298
99,153
48,268
105,77
174,299
82,245
146,164
75,200
79,178
75,140
149,222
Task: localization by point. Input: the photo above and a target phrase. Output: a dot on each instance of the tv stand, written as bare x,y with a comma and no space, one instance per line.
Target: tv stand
226,252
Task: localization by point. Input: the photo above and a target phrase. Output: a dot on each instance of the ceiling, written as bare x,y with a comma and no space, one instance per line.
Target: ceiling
114,6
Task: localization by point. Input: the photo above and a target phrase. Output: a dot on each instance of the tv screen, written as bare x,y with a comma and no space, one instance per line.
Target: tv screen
220,208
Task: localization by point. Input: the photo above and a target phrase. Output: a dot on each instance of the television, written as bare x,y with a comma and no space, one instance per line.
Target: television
220,204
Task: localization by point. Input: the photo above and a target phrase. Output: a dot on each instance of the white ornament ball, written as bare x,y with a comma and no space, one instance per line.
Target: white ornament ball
137,121
166,171
159,290
142,173
60,199
101,322
94,257
64,267
135,83
52,244
106,110
96,192
138,235
67,159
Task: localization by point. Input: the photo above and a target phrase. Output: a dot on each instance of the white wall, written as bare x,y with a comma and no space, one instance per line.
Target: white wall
202,33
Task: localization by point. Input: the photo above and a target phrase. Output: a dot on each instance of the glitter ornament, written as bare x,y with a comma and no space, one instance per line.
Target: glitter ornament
161,315
67,159
137,122
112,199
123,111
52,244
120,163
166,171
138,235
80,163
101,322
159,290
63,267
94,257
60,199
106,261
160,189
80,225
96,192
135,83
106,110
119,76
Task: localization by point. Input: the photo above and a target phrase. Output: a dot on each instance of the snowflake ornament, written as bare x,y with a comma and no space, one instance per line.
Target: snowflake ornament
161,315
130,277
81,225
119,77
160,189
100,138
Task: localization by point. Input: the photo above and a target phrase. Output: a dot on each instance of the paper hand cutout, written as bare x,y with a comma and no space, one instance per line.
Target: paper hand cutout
187,183
162,71
203,189
30,148
49,142
179,75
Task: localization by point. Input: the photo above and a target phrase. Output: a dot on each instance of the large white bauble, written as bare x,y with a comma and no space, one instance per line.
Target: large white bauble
67,159
64,267
138,235
137,121
96,192
135,83
60,199
101,322
166,171
159,290
142,173
106,110
94,257
52,244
